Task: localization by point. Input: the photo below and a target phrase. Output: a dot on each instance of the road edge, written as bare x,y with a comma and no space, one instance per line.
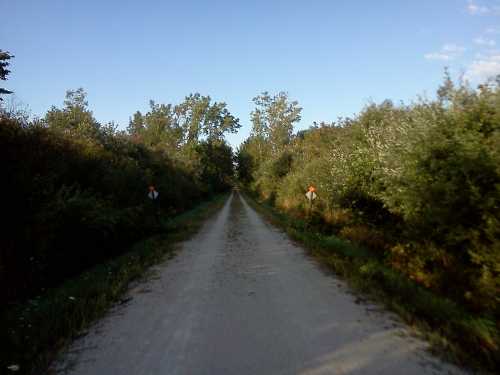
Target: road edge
38,329
398,294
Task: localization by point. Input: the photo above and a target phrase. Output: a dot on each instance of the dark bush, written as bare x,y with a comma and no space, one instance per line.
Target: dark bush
75,192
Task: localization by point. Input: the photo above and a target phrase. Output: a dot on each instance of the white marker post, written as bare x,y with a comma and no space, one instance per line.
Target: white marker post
153,195
311,196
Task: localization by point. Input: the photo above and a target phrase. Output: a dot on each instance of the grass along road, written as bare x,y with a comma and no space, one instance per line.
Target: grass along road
36,330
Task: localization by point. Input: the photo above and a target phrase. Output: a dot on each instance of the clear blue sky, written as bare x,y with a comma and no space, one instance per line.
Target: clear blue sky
331,56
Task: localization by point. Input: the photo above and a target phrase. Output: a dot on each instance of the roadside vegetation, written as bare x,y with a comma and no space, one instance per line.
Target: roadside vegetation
77,190
35,330
408,203
75,199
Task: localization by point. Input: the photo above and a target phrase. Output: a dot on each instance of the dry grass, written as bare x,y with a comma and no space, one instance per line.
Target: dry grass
364,236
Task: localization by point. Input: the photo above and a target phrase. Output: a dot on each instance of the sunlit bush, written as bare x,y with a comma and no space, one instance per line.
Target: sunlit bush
426,175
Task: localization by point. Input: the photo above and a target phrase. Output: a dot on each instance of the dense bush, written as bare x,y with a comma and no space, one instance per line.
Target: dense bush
75,191
419,184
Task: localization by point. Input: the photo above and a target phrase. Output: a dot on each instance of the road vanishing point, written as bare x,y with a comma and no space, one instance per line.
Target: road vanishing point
241,298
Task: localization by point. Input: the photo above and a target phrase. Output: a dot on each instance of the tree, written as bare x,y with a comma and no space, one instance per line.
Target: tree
4,58
160,128
273,119
136,124
219,121
190,114
180,128
446,90
198,117
244,163
75,117
216,164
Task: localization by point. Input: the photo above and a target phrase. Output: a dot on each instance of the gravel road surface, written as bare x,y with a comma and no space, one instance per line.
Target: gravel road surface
241,298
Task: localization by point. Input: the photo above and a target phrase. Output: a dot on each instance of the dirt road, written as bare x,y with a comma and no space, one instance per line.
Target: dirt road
241,298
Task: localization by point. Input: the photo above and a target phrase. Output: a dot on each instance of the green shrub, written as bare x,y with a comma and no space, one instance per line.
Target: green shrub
419,185
77,192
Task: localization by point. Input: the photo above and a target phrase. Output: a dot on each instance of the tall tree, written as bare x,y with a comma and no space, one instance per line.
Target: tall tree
161,128
244,163
219,121
191,113
136,124
4,58
198,117
273,119
75,117
191,132
216,164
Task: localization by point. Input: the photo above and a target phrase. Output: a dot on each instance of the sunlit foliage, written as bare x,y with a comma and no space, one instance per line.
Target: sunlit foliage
419,184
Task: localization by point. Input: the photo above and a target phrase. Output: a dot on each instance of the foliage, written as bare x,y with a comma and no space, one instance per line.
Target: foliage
461,336
77,192
216,160
4,72
170,127
272,121
419,184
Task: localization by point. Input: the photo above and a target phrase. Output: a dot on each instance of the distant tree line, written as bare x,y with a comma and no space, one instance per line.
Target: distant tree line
76,189
417,184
